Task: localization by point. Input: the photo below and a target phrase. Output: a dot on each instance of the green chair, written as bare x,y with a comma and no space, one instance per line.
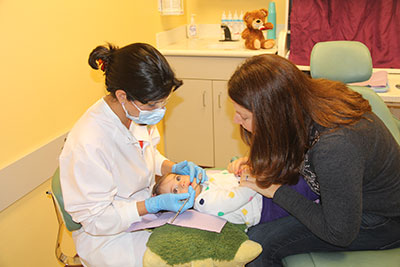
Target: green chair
64,219
349,62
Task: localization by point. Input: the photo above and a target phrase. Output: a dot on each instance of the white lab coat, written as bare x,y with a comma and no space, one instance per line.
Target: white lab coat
103,172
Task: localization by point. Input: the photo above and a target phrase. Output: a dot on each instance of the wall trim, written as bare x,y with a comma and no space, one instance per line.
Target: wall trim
24,175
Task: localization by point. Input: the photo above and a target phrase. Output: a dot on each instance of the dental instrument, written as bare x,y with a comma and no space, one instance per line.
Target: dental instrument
184,203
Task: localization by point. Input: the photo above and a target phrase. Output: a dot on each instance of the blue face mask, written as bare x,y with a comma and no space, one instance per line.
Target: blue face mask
149,117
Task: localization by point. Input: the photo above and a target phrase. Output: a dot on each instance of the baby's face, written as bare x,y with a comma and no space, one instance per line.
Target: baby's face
177,184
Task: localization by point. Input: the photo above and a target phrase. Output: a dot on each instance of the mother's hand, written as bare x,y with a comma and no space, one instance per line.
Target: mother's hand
238,166
250,182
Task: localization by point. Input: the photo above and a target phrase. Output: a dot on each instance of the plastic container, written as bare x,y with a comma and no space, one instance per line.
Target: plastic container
242,24
230,22
271,34
192,28
236,27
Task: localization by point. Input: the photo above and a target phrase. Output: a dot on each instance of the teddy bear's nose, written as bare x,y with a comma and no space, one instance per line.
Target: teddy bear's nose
258,21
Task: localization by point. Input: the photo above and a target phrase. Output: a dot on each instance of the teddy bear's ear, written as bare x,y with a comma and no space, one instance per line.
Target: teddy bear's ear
263,10
246,16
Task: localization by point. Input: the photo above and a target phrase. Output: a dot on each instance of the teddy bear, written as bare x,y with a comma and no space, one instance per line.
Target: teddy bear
256,22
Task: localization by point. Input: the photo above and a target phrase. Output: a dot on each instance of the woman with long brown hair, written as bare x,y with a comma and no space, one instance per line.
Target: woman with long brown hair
326,132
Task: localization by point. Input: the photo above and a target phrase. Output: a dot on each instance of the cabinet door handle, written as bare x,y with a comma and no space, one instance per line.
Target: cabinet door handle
204,99
219,100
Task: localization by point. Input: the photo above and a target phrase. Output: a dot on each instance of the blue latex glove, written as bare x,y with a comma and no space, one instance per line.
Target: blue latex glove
171,202
189,168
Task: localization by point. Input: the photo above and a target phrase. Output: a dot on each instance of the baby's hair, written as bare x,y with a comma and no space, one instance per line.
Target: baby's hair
156,188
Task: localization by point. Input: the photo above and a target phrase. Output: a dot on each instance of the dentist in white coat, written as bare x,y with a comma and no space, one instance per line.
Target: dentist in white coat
109,161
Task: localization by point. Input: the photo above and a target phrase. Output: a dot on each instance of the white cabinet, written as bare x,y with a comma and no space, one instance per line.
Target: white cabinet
188,124
198,124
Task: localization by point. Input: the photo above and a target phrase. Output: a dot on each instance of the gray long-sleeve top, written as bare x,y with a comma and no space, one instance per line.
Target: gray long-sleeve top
358,171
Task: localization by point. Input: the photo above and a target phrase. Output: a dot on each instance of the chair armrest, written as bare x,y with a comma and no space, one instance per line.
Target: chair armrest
283,44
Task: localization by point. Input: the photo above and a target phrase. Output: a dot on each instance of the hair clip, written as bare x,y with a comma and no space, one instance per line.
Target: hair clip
102,64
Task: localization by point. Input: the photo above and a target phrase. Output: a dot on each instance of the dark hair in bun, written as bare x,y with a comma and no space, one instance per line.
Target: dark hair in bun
139,69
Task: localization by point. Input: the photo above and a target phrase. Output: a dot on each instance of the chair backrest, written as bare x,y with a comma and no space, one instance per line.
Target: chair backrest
345,61
348,62
56,188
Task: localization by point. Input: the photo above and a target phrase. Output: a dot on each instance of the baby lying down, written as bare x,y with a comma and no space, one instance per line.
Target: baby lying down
222,196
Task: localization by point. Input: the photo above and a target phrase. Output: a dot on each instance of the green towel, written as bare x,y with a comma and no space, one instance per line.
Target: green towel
178,245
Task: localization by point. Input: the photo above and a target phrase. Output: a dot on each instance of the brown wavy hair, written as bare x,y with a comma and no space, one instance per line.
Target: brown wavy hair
285,102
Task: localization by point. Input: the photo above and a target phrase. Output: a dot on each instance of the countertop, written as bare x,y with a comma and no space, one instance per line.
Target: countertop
393,94
211,47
